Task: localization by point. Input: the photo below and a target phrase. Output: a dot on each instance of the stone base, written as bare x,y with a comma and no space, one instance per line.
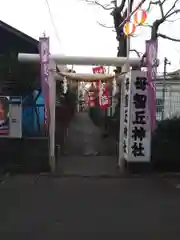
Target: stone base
138,167
26,155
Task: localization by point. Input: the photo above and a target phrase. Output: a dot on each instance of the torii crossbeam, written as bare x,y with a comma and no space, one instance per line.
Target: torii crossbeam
80,60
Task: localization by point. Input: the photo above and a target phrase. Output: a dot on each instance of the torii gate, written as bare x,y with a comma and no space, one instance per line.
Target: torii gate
135,84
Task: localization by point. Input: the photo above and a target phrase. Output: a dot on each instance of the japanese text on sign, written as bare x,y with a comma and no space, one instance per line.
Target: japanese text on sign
126,115
139,124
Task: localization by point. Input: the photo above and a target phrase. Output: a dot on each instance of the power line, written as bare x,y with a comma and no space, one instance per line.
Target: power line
53,23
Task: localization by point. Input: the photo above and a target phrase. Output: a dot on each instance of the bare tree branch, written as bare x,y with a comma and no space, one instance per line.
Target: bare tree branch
104,25
173,20
167,37
163,2
160,4
173,6
161,9
105,7
169,12
137,52
172,13
145,25
152,3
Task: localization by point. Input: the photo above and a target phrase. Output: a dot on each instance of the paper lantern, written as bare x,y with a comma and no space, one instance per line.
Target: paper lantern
140,17
92,88
91,99
129,28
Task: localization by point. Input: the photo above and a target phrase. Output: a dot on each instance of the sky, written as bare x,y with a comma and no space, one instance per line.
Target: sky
78,33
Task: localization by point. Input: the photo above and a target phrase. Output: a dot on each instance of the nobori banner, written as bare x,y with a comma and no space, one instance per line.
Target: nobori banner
44,62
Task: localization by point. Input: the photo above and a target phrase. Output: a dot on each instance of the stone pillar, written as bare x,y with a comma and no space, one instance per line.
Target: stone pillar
135,119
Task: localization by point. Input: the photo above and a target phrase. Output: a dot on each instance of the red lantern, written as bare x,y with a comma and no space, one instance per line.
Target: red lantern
129,28
91,99
140,17
91,104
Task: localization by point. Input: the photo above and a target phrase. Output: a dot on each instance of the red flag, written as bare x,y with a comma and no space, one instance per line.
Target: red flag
98,70
104,99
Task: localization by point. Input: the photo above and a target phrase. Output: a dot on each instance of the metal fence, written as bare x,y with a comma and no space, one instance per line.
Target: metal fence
170,104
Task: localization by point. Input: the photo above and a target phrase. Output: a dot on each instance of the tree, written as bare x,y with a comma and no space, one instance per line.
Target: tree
119,13
173,10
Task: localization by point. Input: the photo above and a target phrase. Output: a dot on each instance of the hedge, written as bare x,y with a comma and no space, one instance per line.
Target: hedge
166,145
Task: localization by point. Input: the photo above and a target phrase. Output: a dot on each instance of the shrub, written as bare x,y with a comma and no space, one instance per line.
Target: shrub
165,145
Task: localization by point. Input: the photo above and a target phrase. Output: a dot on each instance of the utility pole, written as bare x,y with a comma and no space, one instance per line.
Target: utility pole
166,62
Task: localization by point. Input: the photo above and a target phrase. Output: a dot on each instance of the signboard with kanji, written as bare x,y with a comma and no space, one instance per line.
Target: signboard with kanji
137,130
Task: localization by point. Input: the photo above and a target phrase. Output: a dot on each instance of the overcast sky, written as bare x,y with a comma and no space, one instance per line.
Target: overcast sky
78,30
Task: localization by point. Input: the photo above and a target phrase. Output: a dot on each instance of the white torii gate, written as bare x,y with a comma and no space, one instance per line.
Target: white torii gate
71,60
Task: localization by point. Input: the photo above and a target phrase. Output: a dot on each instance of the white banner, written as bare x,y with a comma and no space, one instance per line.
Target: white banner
138,138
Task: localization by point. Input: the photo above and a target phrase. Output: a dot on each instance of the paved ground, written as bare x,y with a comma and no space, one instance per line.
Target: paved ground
88,166
89,208
41,207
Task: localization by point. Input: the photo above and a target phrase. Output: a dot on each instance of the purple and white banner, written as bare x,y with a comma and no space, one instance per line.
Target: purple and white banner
44,62
151,64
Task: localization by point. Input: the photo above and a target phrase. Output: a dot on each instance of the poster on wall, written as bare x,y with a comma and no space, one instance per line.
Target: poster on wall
4,115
